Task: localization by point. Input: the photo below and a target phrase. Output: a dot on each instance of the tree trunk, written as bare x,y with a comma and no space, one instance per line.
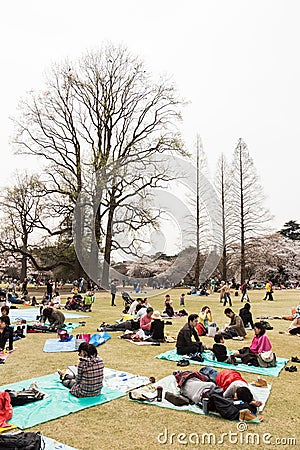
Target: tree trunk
242,262
108,247
224,257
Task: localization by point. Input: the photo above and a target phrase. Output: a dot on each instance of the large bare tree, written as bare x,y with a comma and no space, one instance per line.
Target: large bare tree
98,119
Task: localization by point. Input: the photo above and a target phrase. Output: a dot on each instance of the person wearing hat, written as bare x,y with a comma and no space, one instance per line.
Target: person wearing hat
157,328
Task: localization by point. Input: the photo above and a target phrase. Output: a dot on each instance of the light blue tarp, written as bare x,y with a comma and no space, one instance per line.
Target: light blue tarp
58,402
55,345
172,355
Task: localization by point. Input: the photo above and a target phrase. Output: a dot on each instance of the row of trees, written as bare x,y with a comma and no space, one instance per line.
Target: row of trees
98,128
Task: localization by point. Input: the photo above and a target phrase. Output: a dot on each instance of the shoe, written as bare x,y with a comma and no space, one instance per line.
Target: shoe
246,415
291,369
260,382
295,359
183,363
100,329
233,360
197,357
176,399
34,386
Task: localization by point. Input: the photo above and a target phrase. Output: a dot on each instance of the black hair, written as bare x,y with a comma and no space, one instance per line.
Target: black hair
89,349
139,299
204,308
261,328
148,310
243,393
5,308
47,312
218,337
247,306
228,310
5,319
192,317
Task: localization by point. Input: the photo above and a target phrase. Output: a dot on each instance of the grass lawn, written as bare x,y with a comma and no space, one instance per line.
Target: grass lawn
122,424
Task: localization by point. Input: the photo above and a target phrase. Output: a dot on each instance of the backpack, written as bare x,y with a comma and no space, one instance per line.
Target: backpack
22,441
18,398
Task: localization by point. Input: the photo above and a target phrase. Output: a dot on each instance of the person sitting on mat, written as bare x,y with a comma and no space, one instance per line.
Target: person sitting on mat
220,350
157,328
235,330
246,315
89,379
55,317
184,343
260,343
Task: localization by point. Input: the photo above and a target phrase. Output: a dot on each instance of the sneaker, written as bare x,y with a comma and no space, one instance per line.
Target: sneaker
295,359
246,415
260,382
34,386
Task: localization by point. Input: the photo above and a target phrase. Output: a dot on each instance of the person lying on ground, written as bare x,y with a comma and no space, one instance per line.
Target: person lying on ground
89,379
235,329
184,343
294,315
6,333
194,388
55,317
246,315
130,324
230,381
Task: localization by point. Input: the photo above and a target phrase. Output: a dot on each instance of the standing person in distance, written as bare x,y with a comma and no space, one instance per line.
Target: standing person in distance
113,291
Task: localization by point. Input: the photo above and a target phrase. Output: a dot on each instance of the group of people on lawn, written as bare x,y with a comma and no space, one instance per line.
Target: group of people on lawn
89,378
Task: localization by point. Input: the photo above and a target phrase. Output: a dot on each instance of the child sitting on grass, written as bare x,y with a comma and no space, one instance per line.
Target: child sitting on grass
220,350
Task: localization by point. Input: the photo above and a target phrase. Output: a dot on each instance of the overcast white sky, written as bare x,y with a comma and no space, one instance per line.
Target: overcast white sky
236,61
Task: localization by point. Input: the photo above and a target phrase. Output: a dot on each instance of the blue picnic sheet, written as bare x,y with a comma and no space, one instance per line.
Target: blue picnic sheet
172,355
57,403
55,345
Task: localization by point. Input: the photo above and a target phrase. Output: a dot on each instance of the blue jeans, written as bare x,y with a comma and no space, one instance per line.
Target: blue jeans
210,372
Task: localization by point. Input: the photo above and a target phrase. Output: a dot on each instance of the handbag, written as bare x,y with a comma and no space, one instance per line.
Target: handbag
266,359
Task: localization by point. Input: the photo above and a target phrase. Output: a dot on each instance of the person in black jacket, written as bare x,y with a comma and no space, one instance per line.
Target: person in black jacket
6,333
220,350
184,344
246,315
157,328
